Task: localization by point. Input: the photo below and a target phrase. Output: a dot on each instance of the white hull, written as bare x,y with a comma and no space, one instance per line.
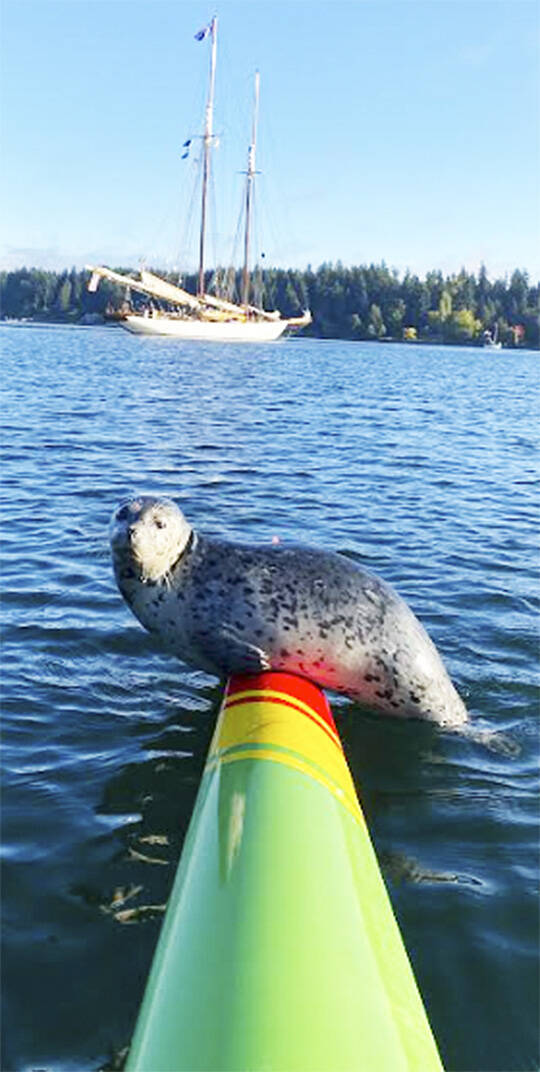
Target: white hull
206,330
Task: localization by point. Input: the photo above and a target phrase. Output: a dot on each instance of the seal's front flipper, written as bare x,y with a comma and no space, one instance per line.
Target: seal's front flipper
237,654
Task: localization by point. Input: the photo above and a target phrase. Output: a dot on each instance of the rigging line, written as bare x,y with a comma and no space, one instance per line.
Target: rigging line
154,248
230,281
270,226
187,249
212,226
235,258
167,223
239,229
277,198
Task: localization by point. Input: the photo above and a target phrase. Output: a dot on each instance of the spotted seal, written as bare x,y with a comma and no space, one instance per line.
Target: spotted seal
230,608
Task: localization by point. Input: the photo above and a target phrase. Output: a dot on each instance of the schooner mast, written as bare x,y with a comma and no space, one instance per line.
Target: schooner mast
208,138
250,176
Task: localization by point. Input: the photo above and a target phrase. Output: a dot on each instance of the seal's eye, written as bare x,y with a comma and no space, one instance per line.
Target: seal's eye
159,524
122,513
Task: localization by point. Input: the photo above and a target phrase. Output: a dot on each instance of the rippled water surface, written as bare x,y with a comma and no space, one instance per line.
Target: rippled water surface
421,463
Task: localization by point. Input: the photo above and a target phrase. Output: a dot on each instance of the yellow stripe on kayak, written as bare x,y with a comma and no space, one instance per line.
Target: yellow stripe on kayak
270,725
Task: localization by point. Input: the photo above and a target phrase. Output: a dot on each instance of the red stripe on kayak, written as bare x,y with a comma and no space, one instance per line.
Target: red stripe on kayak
282,701
297,688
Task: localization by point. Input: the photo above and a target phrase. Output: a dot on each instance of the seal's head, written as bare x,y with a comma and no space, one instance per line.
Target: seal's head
149,535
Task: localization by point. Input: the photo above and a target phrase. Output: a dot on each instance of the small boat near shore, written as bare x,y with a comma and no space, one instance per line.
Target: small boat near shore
173,311
490,340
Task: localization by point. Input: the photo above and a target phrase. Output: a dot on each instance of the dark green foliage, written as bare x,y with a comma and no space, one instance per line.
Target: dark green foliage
366,302
35,294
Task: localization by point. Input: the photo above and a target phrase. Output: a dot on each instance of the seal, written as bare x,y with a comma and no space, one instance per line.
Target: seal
229,608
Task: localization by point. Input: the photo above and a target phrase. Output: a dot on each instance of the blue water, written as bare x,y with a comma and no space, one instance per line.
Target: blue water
420,462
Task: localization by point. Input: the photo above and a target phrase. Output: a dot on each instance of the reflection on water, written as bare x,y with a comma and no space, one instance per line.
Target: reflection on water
419,462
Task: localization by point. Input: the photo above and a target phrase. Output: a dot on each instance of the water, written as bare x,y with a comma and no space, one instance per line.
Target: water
421,463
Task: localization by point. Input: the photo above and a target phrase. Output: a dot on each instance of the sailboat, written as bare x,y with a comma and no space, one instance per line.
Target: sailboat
176,312
491,341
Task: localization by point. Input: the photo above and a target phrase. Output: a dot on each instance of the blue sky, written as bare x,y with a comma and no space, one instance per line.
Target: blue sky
398,130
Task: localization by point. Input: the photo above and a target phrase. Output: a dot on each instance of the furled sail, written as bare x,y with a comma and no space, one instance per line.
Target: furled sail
162,289
156,287
147,284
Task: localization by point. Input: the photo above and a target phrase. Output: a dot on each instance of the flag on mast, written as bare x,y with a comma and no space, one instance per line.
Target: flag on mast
200,36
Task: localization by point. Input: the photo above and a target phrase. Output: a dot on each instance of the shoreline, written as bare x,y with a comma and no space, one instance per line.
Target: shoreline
104,323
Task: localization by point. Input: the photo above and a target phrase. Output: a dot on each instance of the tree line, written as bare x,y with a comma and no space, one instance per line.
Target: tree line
366,302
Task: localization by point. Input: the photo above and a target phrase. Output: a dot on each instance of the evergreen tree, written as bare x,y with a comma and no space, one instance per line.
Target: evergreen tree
63,300
376,326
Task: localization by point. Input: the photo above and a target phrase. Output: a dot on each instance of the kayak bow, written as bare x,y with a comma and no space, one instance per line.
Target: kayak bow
279,949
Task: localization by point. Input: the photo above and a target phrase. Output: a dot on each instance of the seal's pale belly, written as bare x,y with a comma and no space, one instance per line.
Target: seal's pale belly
227,608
